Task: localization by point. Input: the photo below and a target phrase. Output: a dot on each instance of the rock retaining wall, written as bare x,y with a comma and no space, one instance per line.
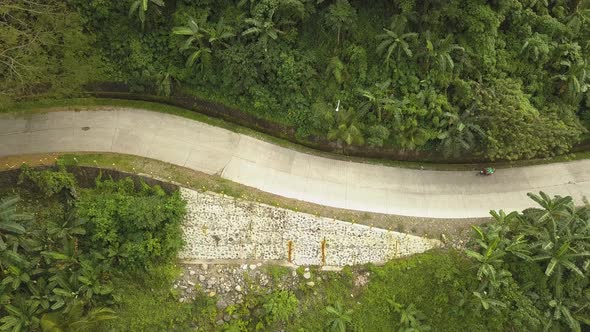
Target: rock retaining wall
219,227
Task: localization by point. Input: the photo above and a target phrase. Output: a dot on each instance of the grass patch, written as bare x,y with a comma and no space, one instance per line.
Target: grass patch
277,272
149,303
435,282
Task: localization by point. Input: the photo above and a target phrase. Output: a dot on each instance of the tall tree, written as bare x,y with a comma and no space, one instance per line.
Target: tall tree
341,16
43,49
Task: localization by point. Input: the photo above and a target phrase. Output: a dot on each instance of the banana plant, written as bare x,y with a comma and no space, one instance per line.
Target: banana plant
75,320
561,313
195,41
11,222
141,7
22,315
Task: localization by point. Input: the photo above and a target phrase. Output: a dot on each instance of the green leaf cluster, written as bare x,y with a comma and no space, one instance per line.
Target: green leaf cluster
57,271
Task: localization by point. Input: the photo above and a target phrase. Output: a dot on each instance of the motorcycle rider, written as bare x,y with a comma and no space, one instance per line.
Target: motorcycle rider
488,171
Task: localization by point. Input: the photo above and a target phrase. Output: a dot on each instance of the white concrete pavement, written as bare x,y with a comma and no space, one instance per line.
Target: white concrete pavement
252,162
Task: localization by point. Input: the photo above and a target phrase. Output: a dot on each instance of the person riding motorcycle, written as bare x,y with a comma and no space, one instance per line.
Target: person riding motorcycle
487,171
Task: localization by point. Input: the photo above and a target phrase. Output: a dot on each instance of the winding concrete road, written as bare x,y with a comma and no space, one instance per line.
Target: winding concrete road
243,159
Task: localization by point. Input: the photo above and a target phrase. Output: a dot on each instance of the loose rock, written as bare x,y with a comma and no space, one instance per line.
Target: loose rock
221,305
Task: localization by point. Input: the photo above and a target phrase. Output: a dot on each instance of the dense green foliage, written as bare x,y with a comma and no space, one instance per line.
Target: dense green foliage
42,45
543,257
496,79
525,271
85,259
133,227
59,267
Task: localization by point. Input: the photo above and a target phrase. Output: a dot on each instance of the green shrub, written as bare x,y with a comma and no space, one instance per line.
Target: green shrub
49,182
55,274
137,228
280,306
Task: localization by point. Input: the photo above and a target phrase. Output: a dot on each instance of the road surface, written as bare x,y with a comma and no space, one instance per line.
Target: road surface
281,171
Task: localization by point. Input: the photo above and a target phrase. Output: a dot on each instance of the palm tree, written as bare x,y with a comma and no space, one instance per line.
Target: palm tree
551,208
340,16
377,99
494,244
487,301
195,33
395,41
460,133
555,237
69,228
219,33
439,52
265,30
345,127
339,319
560,236
141,7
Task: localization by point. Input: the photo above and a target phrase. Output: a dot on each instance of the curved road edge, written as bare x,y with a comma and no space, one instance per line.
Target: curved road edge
288,173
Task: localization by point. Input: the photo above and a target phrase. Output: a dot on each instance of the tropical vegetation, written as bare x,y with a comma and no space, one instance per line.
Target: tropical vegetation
500,79
81,259
63,248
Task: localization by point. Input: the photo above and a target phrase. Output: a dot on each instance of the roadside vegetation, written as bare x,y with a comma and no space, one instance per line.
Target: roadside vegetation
496,80
450,230
27,108
102,258
65,250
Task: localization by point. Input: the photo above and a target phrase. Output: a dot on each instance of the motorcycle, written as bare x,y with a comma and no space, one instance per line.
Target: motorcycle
487,171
